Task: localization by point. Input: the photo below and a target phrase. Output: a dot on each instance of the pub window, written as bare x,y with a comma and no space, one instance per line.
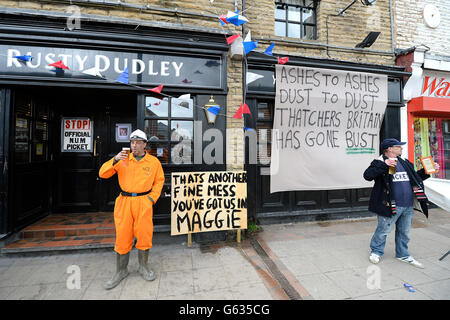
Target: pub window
296,19
31,129
169,124
264,127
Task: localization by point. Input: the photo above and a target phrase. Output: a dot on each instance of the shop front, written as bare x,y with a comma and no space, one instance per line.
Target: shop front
59,125
429,122
307,204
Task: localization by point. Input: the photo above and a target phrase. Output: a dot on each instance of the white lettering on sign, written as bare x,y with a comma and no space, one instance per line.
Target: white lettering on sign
436,86
77,135
400,176
101,62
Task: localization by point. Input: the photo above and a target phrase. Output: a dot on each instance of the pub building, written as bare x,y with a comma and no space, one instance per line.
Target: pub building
59,126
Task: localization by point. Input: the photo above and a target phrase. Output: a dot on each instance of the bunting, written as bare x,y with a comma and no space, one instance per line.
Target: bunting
124,77
59,64
25,58
158,89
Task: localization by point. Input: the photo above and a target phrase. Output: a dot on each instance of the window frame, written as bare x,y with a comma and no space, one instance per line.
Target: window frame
169,143
301,24
33,118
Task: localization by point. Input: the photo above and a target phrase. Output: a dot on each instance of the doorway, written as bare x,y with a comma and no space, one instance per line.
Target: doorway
98,115
49,175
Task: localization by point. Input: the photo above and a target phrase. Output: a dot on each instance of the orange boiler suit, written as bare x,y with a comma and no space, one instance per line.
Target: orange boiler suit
133,216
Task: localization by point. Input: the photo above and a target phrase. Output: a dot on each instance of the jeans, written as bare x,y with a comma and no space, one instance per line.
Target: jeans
402,220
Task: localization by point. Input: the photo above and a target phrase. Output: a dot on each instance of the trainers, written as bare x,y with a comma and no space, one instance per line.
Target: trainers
412,261
374,258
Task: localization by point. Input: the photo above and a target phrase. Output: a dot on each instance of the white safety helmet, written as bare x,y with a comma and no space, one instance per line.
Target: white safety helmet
138,135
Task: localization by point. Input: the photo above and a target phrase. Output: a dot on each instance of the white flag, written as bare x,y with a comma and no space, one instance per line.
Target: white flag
253,77
93,72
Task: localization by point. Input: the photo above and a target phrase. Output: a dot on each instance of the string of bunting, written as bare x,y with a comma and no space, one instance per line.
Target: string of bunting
238,45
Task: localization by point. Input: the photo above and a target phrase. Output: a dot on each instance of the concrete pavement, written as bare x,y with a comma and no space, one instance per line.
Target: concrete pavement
313,260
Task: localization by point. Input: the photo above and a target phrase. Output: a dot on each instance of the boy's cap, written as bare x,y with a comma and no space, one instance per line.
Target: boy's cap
390,142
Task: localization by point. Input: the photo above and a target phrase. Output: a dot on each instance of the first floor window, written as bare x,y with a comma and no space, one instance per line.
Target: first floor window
296,19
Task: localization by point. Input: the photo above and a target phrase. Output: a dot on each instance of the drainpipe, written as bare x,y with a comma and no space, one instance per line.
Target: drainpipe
392,26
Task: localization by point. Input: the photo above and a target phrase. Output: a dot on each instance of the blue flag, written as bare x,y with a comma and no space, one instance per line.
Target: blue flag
123,78
269,49
249,46
214,109
23,58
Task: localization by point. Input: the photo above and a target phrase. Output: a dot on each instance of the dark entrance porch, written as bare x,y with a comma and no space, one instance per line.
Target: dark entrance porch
46,177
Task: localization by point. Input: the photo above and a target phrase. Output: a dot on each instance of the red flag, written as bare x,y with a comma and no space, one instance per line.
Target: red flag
59,64
223,17
283,60
231,39
244,109
238,114
158,89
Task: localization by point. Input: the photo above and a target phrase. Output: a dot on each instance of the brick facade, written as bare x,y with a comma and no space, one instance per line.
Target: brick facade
411,29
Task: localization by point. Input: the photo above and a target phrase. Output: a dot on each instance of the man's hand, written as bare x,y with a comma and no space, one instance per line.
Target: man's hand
391,162
122,155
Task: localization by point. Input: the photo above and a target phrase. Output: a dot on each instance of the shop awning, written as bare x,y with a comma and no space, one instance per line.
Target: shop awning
429,106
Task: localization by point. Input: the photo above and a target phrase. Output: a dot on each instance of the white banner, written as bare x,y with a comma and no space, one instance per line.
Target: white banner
326,128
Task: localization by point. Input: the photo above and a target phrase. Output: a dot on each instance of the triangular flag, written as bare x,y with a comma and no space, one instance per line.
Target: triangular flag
23,58
214,109
59,64
283,60
93,72
223,19
186,96
158,89
237,48
123,78
244,109
238,114
185,100
269,49
231,39
248,37
235,18
249,46
250,77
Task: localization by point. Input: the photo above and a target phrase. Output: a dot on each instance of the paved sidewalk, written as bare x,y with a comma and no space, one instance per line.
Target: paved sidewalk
330,259
314,260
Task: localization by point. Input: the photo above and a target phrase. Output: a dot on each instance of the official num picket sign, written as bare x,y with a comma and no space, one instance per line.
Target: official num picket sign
76,134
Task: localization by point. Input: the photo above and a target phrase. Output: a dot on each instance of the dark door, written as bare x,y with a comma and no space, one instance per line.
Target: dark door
87,125
31,156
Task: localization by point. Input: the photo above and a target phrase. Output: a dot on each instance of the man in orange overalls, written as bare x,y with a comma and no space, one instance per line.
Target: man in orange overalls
141,179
